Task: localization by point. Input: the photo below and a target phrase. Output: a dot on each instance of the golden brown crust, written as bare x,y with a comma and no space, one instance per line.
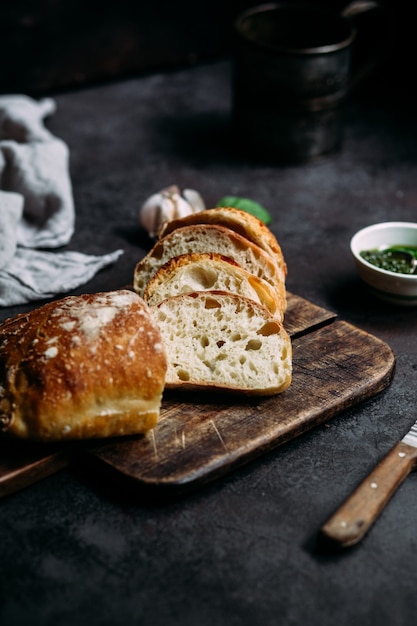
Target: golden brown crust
203,238
208,271
84,366
241,222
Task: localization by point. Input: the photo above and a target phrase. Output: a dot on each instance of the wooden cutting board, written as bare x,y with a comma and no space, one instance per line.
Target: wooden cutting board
200,438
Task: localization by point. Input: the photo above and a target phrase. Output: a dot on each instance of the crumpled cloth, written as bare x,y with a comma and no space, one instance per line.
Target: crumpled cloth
37,210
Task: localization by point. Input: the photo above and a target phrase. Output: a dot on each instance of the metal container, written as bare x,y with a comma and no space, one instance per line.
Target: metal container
292,72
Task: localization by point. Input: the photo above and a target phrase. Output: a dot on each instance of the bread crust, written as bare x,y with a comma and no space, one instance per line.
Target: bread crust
82,367
210,271
242,222
202,238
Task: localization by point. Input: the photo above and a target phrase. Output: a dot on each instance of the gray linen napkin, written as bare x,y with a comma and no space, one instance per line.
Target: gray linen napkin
37,208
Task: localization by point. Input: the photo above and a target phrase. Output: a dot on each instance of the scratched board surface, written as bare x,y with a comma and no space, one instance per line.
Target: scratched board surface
199,439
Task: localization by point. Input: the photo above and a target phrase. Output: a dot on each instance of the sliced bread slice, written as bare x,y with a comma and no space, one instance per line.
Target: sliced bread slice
202,238
210,271
220,340
241,222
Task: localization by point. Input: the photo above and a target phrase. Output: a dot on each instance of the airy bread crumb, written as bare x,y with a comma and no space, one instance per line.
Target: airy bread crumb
221,340
210,271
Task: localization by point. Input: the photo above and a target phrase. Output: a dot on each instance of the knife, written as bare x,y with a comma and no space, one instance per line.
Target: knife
356,515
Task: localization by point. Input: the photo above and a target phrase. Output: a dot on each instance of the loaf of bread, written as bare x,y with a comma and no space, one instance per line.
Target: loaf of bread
241,222
210,271
215,283
203,238
81,367
223,341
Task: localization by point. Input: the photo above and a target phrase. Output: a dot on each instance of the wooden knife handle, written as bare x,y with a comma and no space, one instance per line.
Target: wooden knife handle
354,518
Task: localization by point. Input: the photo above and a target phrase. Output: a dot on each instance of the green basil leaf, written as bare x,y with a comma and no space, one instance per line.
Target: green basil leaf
245,204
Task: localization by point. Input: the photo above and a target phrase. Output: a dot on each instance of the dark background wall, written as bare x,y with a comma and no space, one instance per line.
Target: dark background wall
53,44
50,45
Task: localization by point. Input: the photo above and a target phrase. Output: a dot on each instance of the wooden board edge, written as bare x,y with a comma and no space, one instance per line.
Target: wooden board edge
168,486
21,477
297,323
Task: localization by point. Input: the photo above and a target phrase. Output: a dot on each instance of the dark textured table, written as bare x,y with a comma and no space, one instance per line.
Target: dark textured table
242,550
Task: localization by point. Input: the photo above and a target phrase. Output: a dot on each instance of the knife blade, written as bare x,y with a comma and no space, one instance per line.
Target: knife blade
355,516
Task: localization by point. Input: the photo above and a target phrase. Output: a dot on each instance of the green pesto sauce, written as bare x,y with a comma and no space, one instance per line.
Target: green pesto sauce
391,258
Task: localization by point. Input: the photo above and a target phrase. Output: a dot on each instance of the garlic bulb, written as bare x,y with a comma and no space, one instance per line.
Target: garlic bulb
166,205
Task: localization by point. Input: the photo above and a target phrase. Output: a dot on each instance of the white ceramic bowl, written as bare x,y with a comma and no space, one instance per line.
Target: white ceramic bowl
390,286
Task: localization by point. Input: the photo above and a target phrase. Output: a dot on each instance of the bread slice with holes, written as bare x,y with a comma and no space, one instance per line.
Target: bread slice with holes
241,222
206,272
203,238
223,341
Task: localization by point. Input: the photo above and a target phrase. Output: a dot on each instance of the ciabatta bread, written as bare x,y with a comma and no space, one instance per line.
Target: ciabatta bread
241,222
209,271
84,366
203,238
219,340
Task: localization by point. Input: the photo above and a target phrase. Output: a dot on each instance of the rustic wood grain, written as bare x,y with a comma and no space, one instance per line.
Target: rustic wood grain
335,366
302,316
24,463
197,440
